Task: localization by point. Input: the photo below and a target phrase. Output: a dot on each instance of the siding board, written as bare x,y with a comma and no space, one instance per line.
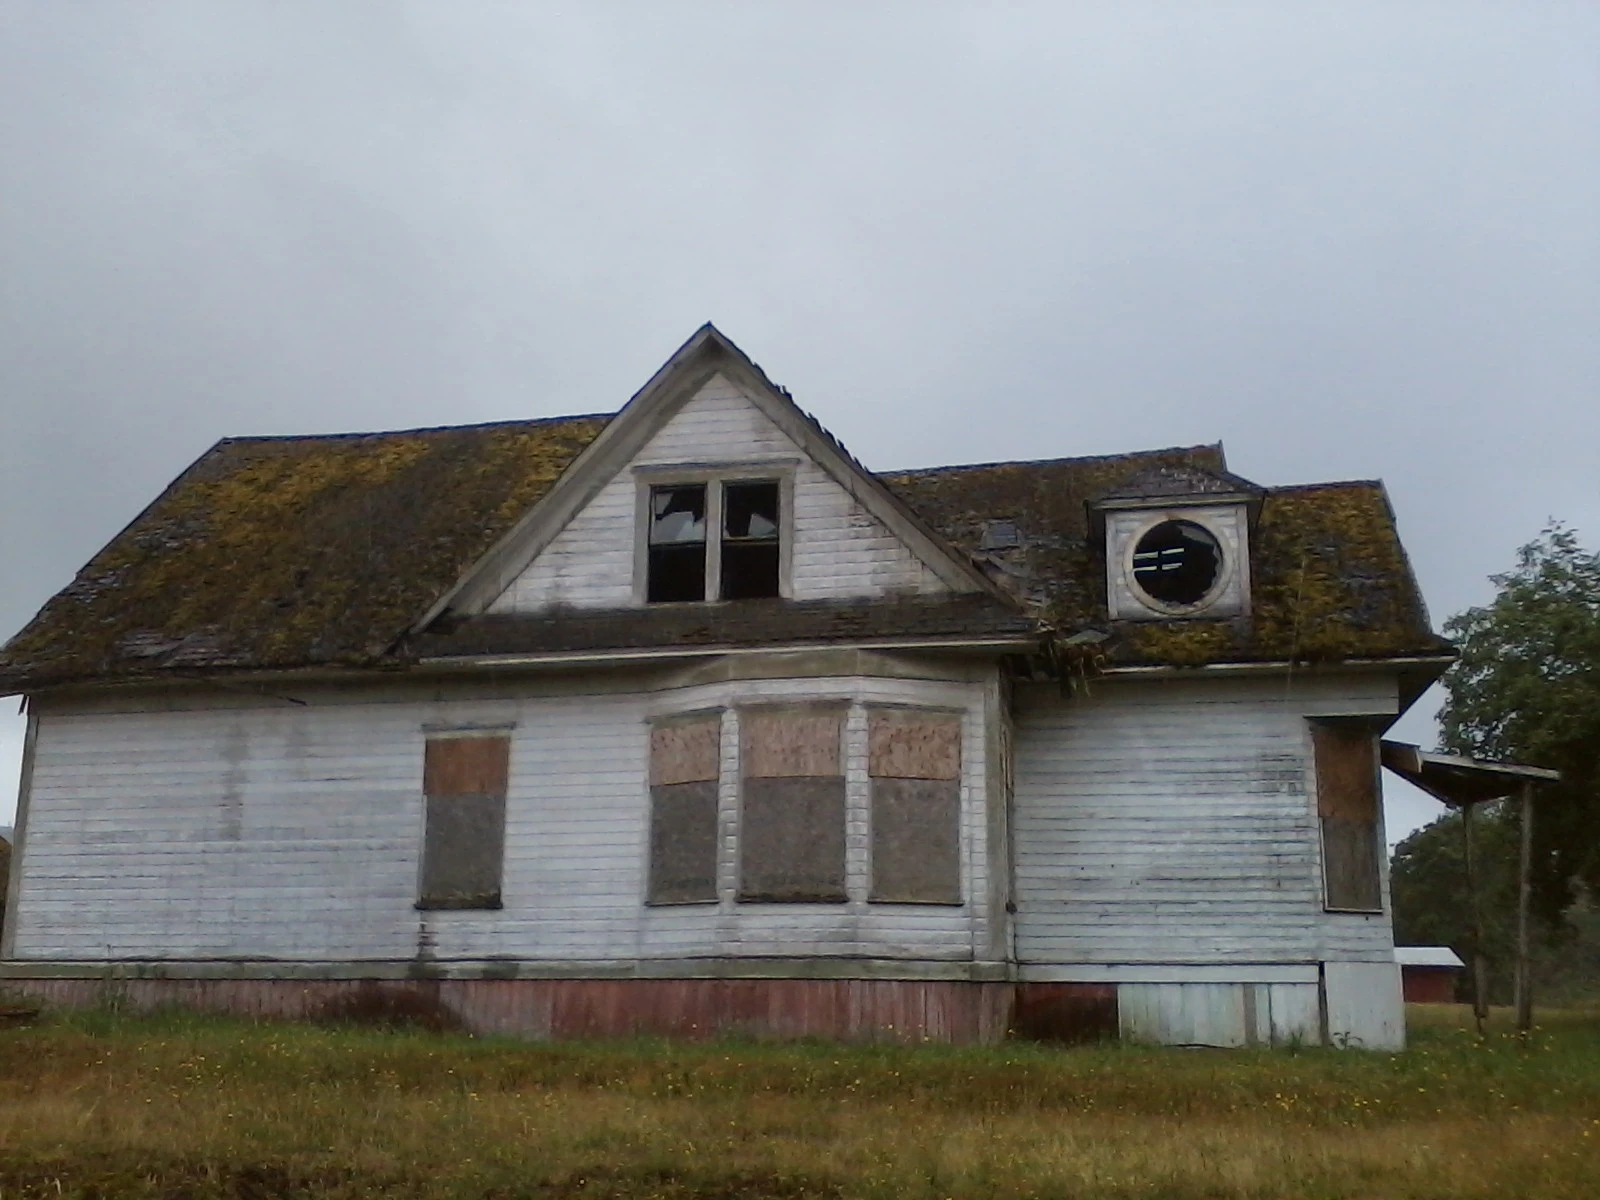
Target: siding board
128,858
1168,821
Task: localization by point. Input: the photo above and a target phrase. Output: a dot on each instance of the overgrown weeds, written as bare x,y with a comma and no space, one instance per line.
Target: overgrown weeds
105,1104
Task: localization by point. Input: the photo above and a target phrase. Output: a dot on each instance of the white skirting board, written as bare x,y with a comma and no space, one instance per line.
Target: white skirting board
1365,1008
1361,1000
1220,1014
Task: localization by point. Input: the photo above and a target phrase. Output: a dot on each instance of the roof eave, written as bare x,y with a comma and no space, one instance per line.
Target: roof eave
998,644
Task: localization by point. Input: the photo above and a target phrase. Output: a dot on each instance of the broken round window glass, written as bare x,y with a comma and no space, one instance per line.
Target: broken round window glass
1177,563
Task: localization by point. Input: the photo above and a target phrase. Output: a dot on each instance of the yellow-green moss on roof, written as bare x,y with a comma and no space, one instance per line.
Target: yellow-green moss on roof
1330,578
277,553
289,552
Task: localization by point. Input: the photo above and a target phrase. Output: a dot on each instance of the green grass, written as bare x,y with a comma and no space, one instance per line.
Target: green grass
177,1105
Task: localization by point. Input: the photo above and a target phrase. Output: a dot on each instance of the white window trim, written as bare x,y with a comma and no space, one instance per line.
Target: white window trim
1227,568
857,704
714,477
1385,901
1230,591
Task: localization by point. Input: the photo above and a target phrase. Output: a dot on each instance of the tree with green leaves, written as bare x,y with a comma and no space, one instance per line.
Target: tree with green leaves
1428,887
1527,690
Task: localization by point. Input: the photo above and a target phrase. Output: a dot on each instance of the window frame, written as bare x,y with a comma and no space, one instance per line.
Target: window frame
714,477
1346,728
957,896
653,723
1226,566
427,901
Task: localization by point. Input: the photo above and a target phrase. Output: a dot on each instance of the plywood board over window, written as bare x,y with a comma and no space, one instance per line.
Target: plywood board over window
914,760
792,805
464,781
1346,761
685,763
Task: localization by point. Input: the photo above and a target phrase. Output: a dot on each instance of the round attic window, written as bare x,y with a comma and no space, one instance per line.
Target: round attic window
1177,563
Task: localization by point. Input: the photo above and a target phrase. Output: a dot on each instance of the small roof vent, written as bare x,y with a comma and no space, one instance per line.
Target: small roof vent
1000,535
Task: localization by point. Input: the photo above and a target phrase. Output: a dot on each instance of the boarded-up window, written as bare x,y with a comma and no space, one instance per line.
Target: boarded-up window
464,781
791,837
914,760
1347,803
685,755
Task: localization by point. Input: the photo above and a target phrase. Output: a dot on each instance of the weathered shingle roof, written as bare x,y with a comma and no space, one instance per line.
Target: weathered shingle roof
289,552
284,553
1166,479
1330,578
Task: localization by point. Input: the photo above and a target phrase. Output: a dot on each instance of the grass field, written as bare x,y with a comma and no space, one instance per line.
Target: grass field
184,1106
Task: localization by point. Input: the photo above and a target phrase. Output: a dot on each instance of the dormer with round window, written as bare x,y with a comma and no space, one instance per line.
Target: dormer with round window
1178,545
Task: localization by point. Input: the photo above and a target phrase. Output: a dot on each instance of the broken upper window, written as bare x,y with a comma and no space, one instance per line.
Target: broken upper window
742,563
749,540
1177,563
677,543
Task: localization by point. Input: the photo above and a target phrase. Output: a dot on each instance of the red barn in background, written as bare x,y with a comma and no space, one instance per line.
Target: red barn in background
1428,974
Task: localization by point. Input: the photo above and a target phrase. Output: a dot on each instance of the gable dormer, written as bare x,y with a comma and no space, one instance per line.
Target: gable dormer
1177,542
711,486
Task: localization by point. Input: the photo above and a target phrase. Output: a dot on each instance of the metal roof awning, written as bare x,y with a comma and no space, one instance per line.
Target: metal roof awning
1463,782
1459,781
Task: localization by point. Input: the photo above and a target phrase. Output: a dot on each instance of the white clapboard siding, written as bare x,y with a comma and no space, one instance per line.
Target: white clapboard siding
839,548
1220,1014
1174,822
294,833
1366,1009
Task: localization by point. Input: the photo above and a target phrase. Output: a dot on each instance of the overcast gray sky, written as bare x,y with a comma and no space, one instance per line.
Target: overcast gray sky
1350,240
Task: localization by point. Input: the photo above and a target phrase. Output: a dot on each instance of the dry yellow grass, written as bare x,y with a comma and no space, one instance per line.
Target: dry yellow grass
195,1107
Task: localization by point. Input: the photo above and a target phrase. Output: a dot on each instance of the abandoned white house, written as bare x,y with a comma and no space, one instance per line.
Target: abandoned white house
681,720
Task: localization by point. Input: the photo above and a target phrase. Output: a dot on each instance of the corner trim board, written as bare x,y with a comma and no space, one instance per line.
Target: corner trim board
8,933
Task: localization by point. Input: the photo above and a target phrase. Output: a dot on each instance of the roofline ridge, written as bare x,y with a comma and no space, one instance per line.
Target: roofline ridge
1045,462
352,435
1306,487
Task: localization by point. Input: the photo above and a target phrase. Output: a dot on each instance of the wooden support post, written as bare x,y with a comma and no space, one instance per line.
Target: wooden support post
1524,901
1480,966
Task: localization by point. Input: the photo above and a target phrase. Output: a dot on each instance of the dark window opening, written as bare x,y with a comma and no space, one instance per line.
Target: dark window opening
749,541
1177,562
677,546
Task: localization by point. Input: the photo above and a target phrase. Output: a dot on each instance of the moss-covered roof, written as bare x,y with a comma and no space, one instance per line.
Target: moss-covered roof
289,552
280,553
1330,580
